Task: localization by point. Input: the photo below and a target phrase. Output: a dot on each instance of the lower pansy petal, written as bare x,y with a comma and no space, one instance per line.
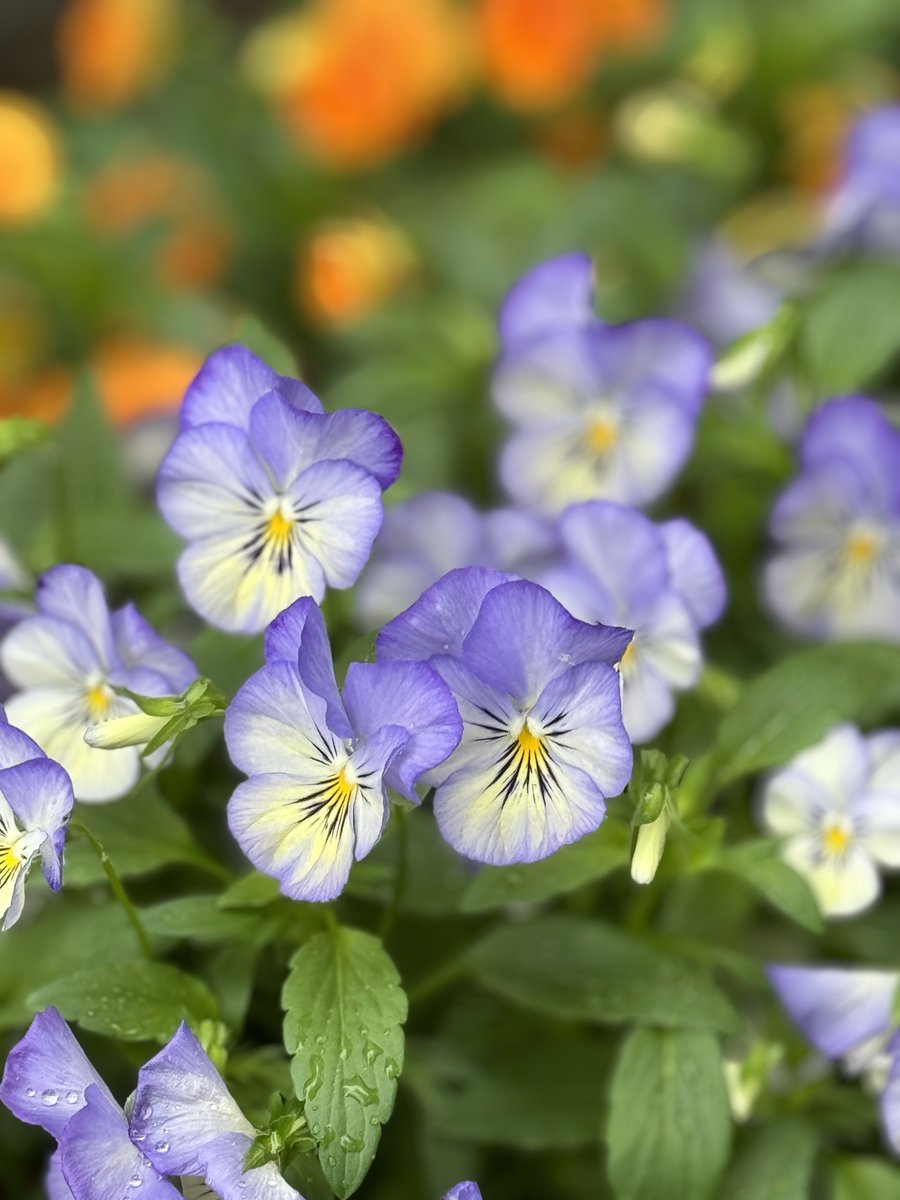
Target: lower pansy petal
55,1181
793,802
99,1159
842,884
226,1175
655,442
648,704
836,1008
40,794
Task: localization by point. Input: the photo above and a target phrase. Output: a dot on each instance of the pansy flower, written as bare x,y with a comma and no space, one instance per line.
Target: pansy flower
836,808
187,1123
662,581
543,743
35,805
319,761
464,1191
600,411
847,1014
864,210
66,661
275,498
836,567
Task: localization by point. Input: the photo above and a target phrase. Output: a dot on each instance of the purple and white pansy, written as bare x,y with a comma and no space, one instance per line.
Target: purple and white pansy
543,742
276,498
863,212
65,662
319,761
183,1123
835,571
600,411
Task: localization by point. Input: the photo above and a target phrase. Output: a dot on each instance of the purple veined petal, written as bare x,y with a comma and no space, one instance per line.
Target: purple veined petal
890,1101
229,1181
298,636
302,830
55,1181
18,851
39,793
182,1107
275,723
230,382
441,618
621,549
795,587
370,763
99,1159
549,469
523,638
694,570
15,746
339,514
836,1008
549,382
666,639
855,429
467,1190
657,355
580,593
213,483
554,294
45,651
520,540
75,595
139,645
414,698
47,1075
363,438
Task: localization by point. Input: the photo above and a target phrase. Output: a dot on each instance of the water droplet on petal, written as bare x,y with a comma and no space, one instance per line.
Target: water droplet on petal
71,1097
162,1147
49,1097
30,1093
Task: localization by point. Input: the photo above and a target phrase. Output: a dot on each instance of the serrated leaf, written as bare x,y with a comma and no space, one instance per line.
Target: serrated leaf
669,1129
583,970
134,1001
344,1011
775,1162
861,1178
796,702
758,864
571,867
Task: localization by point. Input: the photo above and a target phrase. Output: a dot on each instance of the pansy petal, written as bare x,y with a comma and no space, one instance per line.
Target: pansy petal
556,293
47,651
229,1181
655,443
793,802
648,704
660,354
15,746
230,382
363,438
842,886
47,1074
620,548
668,641
548,382
464,1191
182,1107
40,794
694,570
340,514
836,1008
890,1102
854,428
139,645
212,482
539,638
298,636
99,1159
74,594
55,1181
286,437
876,817
276,724
839,763
413,697
441,618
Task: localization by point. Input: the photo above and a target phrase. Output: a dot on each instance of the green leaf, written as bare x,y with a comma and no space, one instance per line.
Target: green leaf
758,864
140,834
669,1129
571,867
775,1162
859,1178
201,919
851,328
344,1008
584,970
251,891
135,1001
796,702
18,434
91,461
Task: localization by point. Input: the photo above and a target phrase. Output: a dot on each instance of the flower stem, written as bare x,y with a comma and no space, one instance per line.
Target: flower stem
116,887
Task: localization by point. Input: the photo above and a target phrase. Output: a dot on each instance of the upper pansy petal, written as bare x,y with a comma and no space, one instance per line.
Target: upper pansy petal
413,697
15,746
40,794
340,513
182,1107
48,651
47,1074
274,723
286,437
74,594
228,385
548,381
836,1008
694,570
99,1159
212,483
364,438
519,540
467,1190
441,618
139,645
555,293
620,548
839,763
658,355
853,428
298,636
539,640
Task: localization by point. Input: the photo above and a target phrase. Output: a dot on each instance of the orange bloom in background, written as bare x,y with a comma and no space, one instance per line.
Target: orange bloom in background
111,51
30,160
348,268
358,80
815,118
629,24
537,53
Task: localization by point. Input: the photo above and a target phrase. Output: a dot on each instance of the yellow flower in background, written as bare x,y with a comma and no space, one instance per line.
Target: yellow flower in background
347,268
112,51
30,160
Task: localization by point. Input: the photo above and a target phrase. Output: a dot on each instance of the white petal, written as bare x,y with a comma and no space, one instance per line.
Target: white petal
842,885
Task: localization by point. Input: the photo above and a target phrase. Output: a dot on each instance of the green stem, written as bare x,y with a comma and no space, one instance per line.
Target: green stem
117,887
400,876
439,978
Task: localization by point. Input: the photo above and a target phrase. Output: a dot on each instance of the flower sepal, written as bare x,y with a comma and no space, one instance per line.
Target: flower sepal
161,718
284,1135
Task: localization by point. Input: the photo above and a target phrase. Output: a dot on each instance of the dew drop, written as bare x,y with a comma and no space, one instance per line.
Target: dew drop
162,1147
135,1181
30,1093
49,1097
71,1097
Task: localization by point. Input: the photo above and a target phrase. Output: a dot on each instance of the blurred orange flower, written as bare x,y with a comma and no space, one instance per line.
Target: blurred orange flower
347,268
364,78
111,51
629,24
815,118
30,161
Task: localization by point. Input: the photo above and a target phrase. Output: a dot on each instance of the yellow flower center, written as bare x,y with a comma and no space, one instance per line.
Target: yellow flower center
601,435
628,655
278,529
341,789
836,840
861,548
97,700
